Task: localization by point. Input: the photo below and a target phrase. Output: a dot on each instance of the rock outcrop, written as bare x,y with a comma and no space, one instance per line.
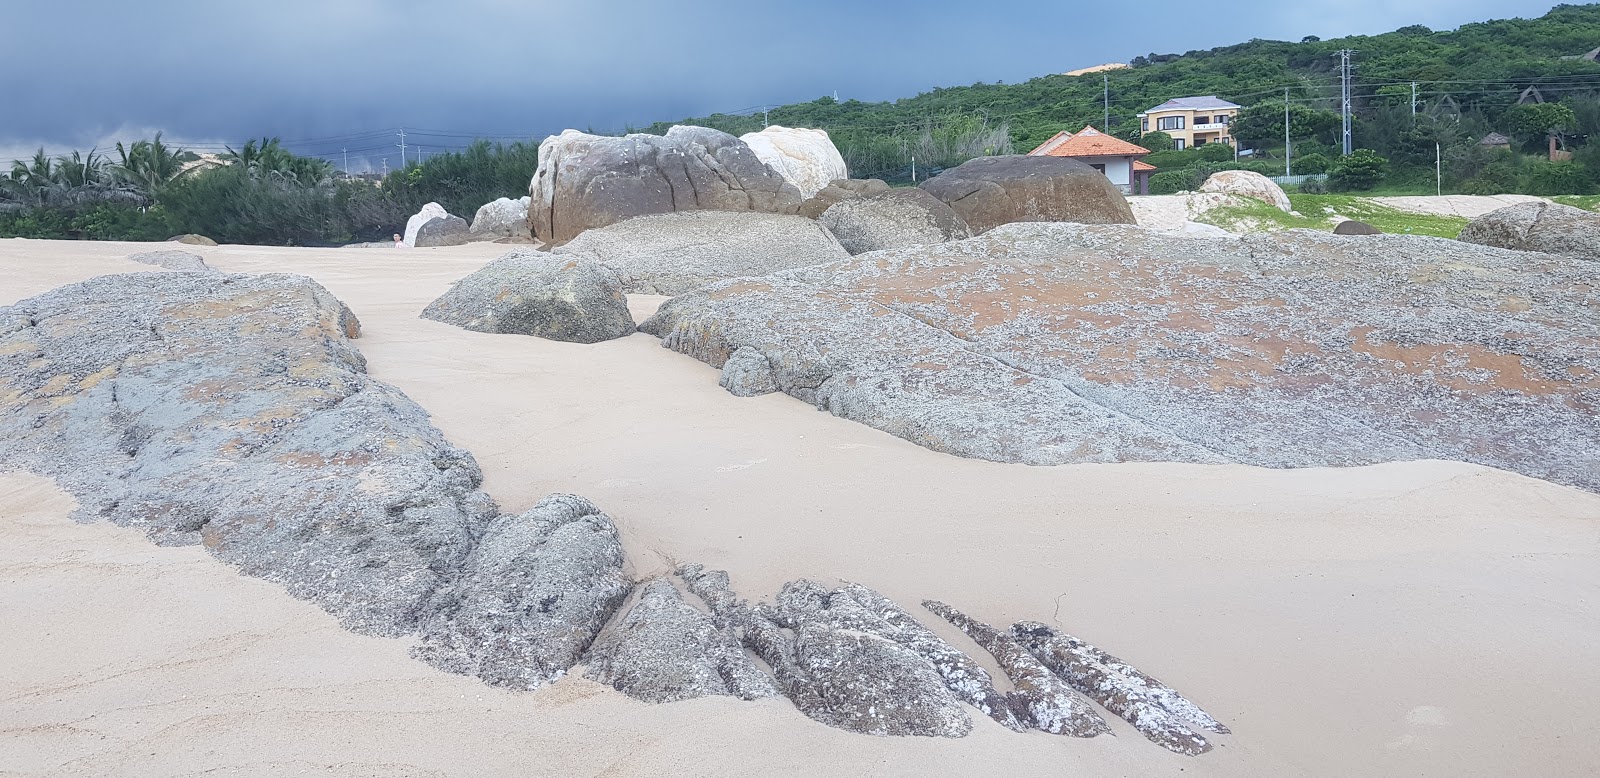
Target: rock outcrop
428,213
1050,344
839,191
674,253
443,231
892,220
1353,227
502,218
1245,183
588,181
171,260
1538,226
990,191
192,239
537,293
806,158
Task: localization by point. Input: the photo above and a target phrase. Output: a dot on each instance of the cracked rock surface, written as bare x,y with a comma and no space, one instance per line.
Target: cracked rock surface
1061,343
531,292
1538,226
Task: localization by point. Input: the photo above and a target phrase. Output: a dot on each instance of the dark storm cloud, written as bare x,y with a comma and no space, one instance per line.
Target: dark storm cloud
87,71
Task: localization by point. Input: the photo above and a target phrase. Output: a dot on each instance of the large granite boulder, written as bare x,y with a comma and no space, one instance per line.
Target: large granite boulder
839,190
891,220
171,260
1353,227
502,218
537,293
428,213
192,239
1050,344
588,181
673,253
235,412
1538,226
1245,183
442,231
806,158
990,191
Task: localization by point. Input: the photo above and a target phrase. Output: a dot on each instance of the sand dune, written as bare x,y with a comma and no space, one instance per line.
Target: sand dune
1406,618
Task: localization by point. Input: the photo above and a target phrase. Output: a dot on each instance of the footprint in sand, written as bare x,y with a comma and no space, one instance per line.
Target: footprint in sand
747,465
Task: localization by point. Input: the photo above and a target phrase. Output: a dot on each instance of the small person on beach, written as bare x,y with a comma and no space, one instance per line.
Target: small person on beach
398,242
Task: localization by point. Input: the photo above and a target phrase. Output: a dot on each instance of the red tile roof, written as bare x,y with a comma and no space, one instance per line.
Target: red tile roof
1088,143
1140,166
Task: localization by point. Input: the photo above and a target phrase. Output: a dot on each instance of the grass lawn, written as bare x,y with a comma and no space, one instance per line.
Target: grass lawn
1317,212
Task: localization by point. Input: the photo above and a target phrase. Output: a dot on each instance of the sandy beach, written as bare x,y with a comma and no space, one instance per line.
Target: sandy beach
1409,618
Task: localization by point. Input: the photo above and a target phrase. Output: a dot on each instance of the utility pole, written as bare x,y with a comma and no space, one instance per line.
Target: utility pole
1413,102
346,162
385,167
1344,94
763,116
402,145
1438,170
1105,85
1286,152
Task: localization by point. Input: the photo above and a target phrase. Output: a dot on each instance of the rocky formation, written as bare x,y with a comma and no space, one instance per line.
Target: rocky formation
676,252
442,231
588,181
1353,227
172,260
192,239
1248,184
747,373
1049,344
428,213
838,191
892,220
806,158
536,293
665,650
990,191
503,218
1538,226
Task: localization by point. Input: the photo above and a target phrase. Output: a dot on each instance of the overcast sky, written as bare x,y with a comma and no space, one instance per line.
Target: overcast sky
331,74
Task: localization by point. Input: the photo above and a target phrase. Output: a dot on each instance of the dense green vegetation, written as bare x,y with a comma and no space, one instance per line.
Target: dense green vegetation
1468,83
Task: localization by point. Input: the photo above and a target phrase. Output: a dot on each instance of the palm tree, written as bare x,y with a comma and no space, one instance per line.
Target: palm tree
148,165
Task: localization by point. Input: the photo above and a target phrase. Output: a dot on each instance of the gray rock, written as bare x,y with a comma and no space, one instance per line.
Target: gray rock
531,597
427,213
588,181
674,253
172,260
536,293
443,231
1056,343
193,239
838,191
891,220
1152,707
501,219
987,192
1538,226
748,374
665,650
1353,227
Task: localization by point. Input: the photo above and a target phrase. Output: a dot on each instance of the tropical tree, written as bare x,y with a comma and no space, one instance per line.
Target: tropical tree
148,165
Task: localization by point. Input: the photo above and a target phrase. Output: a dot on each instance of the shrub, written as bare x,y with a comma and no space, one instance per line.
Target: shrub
1214,152
1361,170
1174,181
1310,164
1155,141
1556,178
1313,186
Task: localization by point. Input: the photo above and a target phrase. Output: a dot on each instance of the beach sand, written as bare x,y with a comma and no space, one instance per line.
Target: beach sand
1408,618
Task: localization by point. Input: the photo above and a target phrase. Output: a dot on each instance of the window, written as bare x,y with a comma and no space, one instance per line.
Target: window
1144,124
1165,123
1178,143
1101,168
1222,119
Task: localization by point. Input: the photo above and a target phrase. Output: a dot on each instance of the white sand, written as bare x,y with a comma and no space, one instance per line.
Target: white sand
1466,206
1424,617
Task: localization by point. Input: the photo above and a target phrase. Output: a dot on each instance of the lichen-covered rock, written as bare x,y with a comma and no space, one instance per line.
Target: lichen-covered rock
1538,226
1040,699
536,293
171,260
1152,707
428,213
193,239
442,231
674,253
874,686
234,411
748,374
806,158
987,192
839,191
1056,343
588,181
1249,184
665,650
499,219
892,220
531,597
1353,227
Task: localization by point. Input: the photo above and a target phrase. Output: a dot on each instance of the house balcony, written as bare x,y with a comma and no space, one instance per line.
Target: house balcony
1221,126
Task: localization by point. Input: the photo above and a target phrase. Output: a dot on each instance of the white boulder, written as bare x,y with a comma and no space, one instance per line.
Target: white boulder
806,158
503,218
1248,184
428,213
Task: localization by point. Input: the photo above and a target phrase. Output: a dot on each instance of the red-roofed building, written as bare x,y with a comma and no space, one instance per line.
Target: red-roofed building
1120,160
